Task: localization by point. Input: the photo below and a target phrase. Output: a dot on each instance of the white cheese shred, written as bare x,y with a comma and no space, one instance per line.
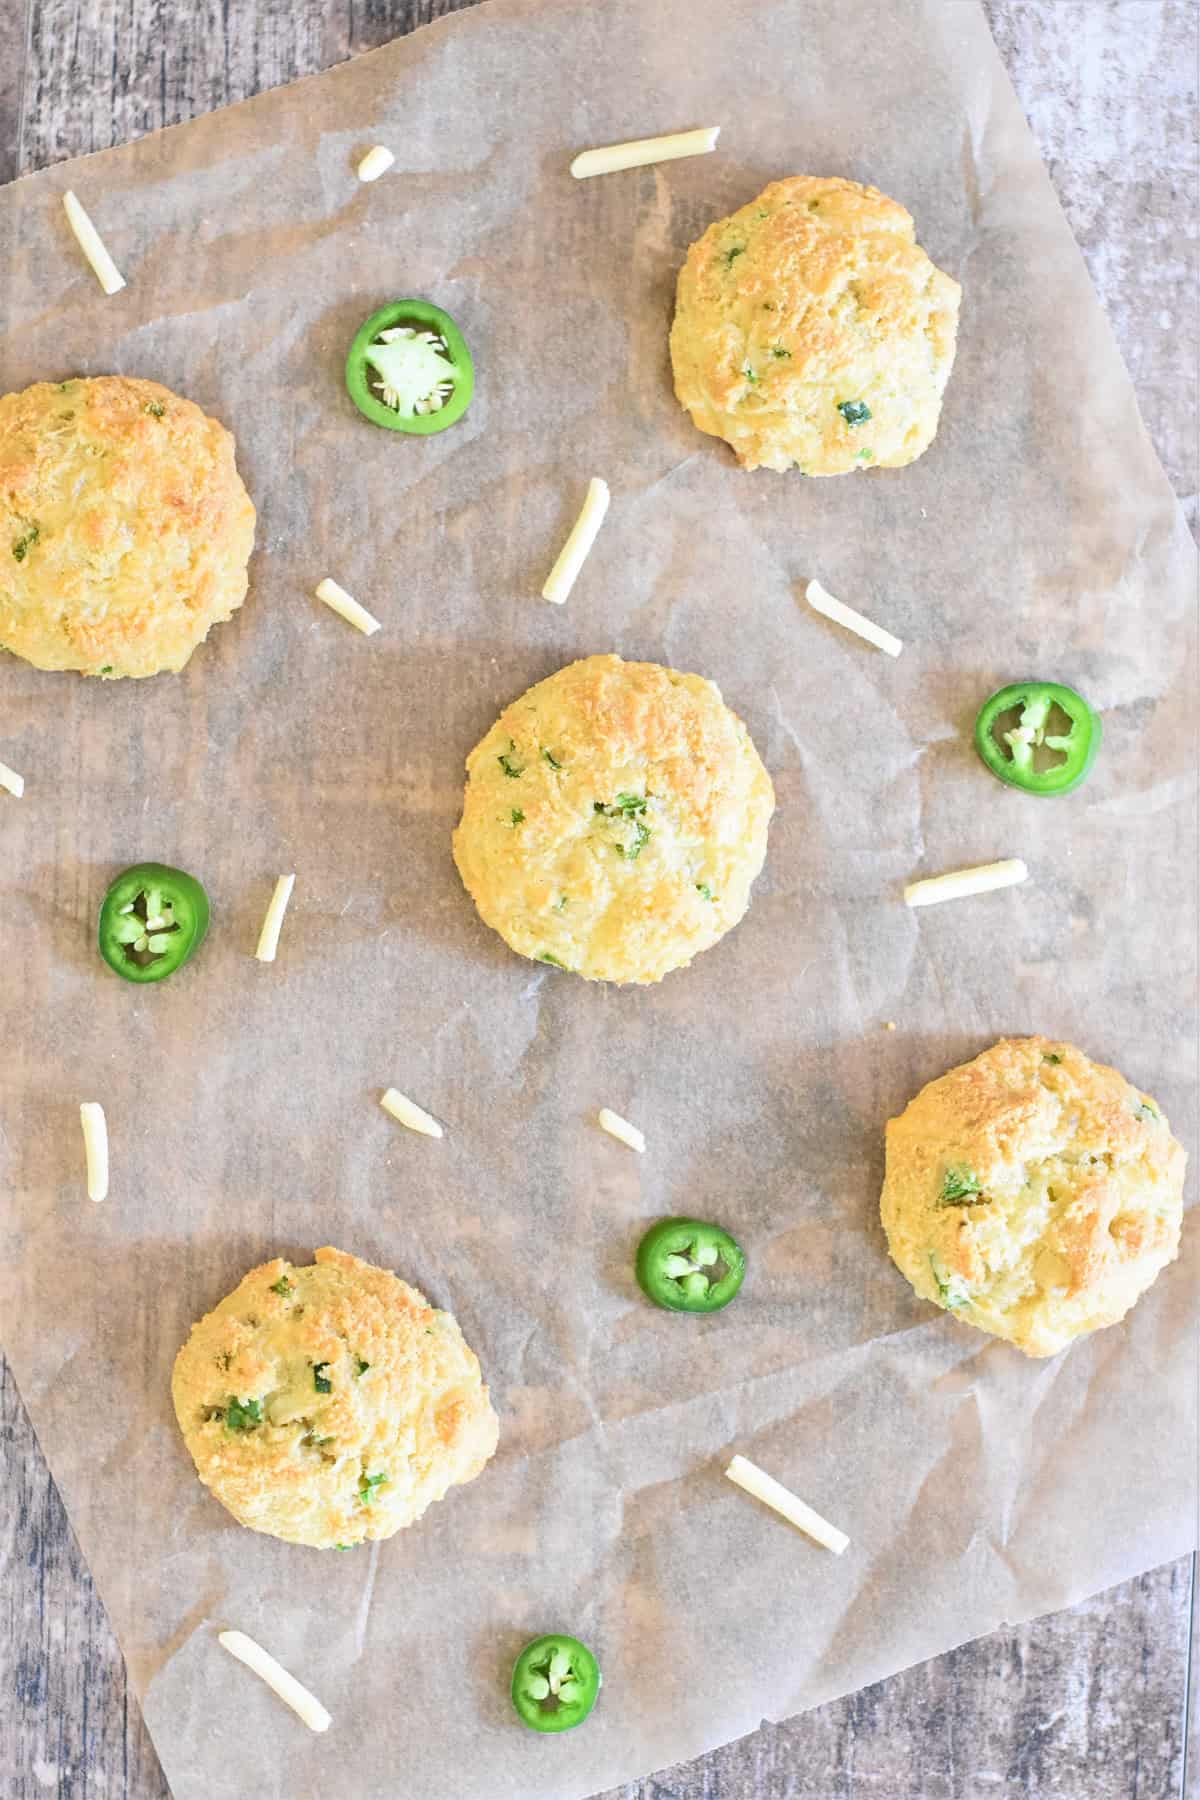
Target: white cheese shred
962,882
9,779
409,1113
342,603
636,154
95,1148
575,551
268,937
375,163
305,1705
620,1128
841,614
92,245
764,1487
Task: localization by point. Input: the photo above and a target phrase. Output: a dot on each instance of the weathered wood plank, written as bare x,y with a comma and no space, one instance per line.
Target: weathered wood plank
365,24
69,1727
13,63
1086,1705
1110,91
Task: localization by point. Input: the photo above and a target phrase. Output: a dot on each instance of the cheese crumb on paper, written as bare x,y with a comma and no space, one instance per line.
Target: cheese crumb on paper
823,602
375,163
95,1148
346,606
268,937
764,1487
962,882
620,1128
575,551
409,1113
92,245
635,154
290,1691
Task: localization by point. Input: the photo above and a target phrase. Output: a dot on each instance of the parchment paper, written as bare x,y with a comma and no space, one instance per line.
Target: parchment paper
1038,535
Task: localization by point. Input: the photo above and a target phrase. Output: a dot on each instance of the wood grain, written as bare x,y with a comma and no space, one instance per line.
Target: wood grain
1085,1705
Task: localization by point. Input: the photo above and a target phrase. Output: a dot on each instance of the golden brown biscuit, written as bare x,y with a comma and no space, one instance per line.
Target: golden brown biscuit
330,1404
812,331
1033,1193
124,526
615,818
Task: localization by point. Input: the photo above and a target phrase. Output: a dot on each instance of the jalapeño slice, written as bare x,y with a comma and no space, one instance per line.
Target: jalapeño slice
409,368
555,1683
1039,736
151,920
689,1266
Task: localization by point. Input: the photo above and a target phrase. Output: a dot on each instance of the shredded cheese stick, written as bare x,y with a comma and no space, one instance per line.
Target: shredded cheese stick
961,882
95,1146
339,601
304,1704
268,937
574,552
92,245
409,1113
375,163
11,780
618,1127
640,151
824,603
772,1493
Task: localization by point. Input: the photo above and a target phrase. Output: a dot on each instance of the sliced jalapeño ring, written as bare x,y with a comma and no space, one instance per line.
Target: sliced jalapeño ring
409,368
689,1266
555,1682
1039,736
151,920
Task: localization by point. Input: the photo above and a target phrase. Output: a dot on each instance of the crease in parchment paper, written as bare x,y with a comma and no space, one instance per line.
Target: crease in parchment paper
364,1605
1036,536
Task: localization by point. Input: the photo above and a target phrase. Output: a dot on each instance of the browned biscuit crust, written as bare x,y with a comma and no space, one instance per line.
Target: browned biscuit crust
1032,1192
331,1403
125,529
802,309
615,818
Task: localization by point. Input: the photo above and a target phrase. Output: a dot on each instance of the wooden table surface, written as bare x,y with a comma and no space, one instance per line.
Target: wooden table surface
1089,1704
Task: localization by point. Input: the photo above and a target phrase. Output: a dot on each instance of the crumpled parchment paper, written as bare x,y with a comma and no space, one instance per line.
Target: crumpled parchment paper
1037,536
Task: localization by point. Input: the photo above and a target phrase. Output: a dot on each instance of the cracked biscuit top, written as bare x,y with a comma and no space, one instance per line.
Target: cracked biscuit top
330,1404
614,821
125,529
812,332
1033,1193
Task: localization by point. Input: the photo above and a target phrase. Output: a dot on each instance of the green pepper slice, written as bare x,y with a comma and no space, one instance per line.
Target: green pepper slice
1016,751
690,1266
151,920
409,368
555,1682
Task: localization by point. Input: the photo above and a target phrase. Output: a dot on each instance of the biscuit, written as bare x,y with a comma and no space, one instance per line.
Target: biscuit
615,818
330,1404
1033,1193
811,330
124,526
